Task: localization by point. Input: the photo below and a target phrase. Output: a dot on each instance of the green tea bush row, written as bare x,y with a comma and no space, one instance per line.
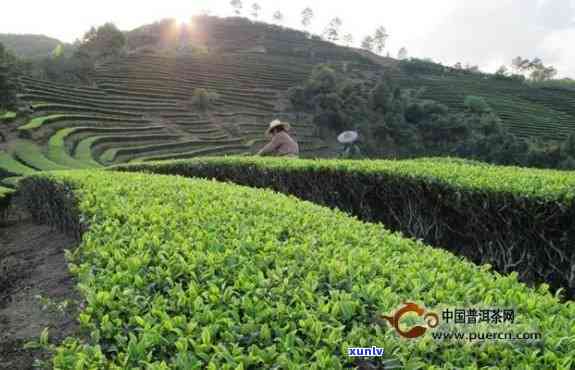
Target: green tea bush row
227,149
79,108
39,122
9,166
32,155
196,274
122,105
5,199
513,218
6,117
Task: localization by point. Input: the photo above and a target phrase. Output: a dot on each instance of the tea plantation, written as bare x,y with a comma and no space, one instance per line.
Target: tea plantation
191,254
139,106
185,274
146,116
546,113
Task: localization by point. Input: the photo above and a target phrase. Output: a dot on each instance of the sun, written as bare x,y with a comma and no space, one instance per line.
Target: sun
184,19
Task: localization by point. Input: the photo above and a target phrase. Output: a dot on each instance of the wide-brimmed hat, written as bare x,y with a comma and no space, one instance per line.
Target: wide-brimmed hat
348,137
277,123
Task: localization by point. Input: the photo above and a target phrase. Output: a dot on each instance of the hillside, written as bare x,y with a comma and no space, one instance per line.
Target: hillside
31,46
115,256
138,107
148,115
548,113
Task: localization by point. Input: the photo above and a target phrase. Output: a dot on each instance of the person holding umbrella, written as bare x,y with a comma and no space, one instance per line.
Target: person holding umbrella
350,149
281,143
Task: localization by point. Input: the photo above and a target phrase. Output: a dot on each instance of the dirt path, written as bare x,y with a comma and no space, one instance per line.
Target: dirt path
32,263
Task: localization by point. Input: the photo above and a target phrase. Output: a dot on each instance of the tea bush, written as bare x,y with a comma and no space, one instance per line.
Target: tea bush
180,274
5,198
516,219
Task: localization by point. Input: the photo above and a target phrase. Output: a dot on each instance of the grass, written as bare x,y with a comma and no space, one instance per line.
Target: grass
183,274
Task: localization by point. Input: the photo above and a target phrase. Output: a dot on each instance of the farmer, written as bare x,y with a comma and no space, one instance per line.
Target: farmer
349,141
281,143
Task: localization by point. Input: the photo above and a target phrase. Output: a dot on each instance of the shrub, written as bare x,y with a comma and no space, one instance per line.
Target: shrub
180,274
5,199
203,99
416,66
563,84
514,218
476,104
7,116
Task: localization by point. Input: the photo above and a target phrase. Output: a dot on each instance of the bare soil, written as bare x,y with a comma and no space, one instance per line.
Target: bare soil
32,264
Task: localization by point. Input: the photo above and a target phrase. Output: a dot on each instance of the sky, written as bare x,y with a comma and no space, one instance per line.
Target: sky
487,33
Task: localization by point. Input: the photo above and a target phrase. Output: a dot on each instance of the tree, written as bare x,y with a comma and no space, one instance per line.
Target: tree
237,5
278,17
476,104
542,73
104,41
458,66
8,84
256,10
520,64
58,51
380,39
367,43
203,99
538,71
307,15
502,71
348,39
331,33
402,54
471,68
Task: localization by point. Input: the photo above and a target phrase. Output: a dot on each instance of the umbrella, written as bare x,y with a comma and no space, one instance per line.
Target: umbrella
347,137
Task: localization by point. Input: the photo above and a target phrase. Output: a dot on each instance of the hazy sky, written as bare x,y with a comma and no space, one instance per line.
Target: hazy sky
483,32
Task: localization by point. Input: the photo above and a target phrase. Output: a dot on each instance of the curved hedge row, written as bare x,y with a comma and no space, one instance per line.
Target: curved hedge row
225,149
58,150
42,107
39,122
180,274
7,116
33,156
516,219
12,166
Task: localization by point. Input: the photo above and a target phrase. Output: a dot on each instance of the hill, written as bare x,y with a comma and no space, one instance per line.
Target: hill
139,106
544,112
31,46
204,263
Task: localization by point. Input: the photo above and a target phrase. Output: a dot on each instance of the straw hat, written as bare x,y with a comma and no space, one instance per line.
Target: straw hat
347,137
277,123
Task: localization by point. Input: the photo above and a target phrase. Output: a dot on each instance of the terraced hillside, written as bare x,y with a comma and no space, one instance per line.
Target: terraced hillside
528,111
139,109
